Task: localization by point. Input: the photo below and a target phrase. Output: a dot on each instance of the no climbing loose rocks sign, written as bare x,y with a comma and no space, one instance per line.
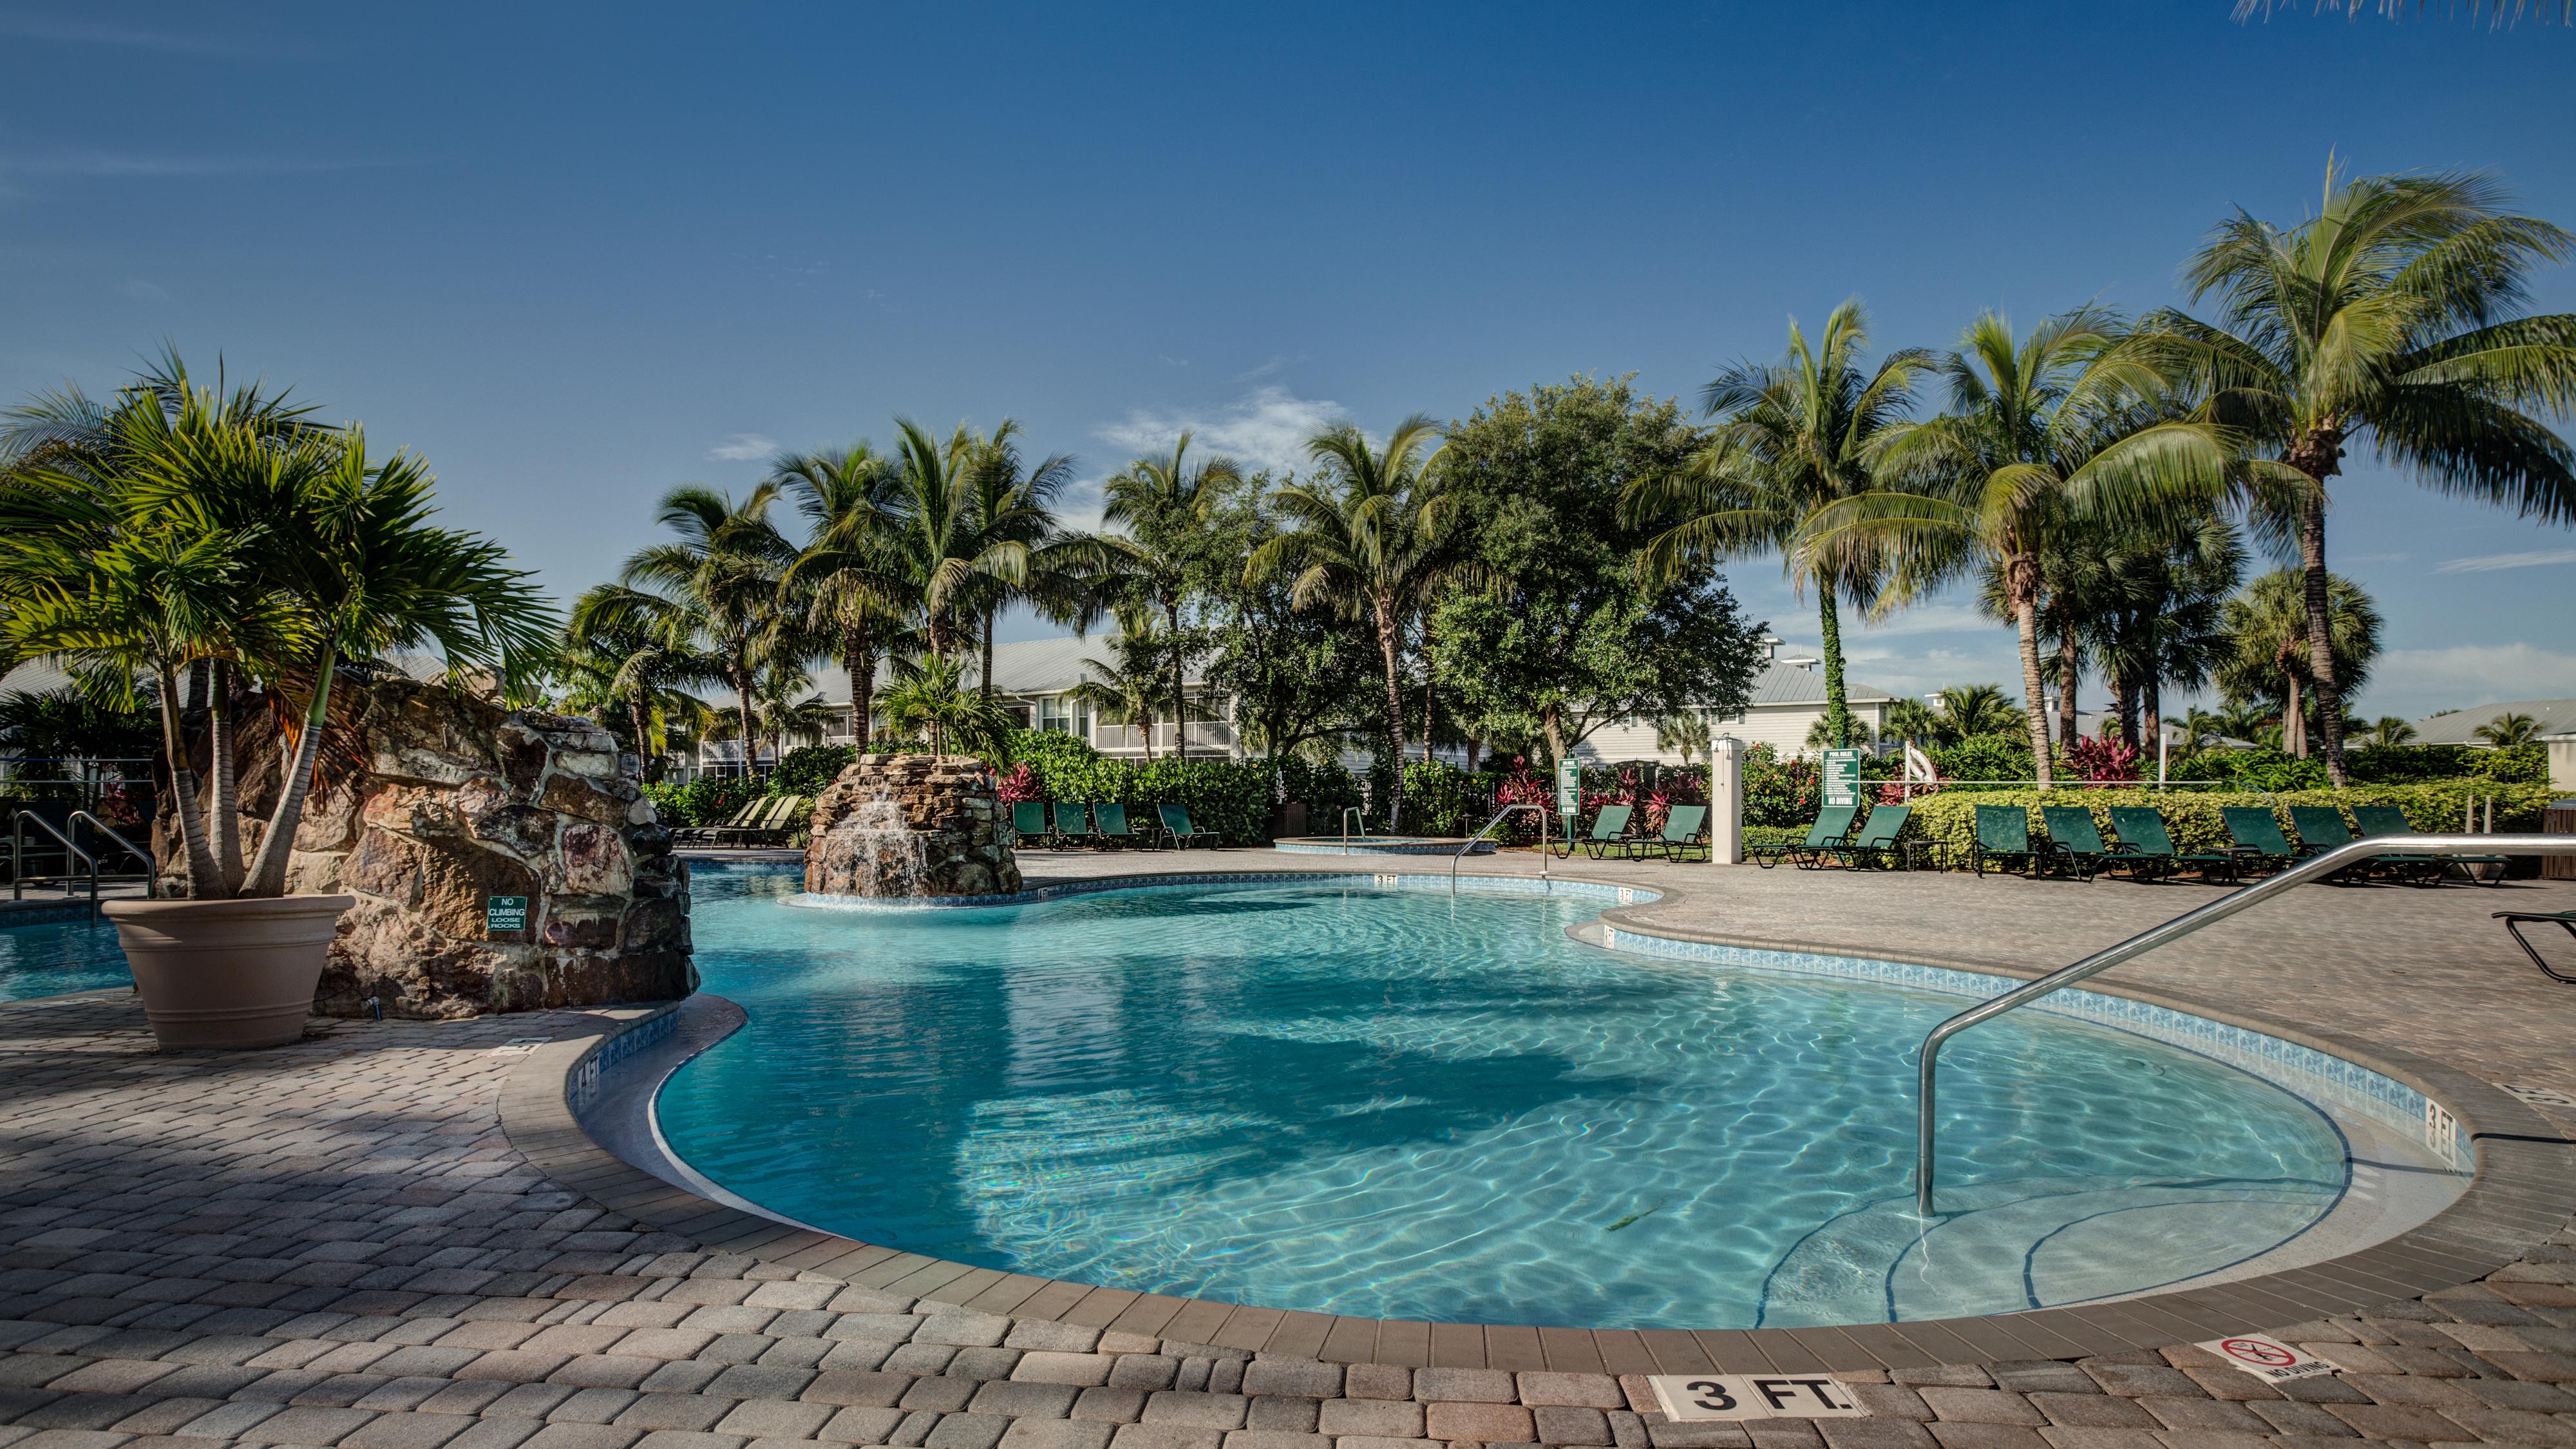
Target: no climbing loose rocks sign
1754,1396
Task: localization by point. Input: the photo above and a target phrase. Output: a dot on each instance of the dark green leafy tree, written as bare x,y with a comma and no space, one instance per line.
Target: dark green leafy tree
2393,319
1295,676
1554,620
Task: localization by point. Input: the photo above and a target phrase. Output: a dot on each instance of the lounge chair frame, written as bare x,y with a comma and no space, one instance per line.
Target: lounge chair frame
2513,924
1876,842
1609,831
2148,864
1827,830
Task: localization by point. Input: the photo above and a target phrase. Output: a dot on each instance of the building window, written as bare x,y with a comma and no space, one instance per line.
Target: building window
1063,716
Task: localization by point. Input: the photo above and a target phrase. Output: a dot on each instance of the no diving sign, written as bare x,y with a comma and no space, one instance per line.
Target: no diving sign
1754,1396
2268,1359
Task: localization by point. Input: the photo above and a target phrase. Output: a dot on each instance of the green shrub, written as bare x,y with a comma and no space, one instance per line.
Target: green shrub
1985,757
1231,797
1780,792
1441,799
2412,764
1773,835
1042,750
809,768
706,800
1323,789
2192,818
2263,767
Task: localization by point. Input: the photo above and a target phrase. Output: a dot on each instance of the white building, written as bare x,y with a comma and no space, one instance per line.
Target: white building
1787,701
2460,726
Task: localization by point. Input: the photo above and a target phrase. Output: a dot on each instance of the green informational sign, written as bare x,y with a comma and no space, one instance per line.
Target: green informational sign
502,914
1569,788
1842,777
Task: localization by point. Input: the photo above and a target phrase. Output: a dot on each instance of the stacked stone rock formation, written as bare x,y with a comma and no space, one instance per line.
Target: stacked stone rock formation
432,803
949,816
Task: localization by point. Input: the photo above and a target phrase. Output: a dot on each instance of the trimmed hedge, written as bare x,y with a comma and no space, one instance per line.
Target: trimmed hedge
2192,818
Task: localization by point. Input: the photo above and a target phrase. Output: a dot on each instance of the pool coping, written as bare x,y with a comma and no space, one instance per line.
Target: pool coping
2523,1184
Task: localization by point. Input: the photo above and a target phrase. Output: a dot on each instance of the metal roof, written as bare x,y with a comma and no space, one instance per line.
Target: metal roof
2459,727
1784,683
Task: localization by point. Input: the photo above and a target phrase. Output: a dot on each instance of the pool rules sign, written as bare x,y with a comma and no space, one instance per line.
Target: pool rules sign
1754,1396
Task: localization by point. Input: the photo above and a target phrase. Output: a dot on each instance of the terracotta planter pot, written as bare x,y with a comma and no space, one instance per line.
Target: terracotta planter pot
227,973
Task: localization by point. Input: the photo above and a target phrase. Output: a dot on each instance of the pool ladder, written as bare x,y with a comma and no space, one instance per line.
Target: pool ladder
2324,864
1490,824
18,853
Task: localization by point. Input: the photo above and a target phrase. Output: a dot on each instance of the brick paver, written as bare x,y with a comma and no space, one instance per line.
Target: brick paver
335,1244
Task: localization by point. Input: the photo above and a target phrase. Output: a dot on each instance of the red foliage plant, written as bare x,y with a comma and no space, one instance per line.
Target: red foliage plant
1018,786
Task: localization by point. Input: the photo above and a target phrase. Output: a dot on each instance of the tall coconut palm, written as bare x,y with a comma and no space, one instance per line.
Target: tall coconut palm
1162,503
941,554
1792,438
627,666
1365,544
2392,319
1032,558
2045,431
2267,631
713,592
843,580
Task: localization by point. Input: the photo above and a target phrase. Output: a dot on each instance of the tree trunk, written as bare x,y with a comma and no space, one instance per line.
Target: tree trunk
2070,674
645,754
268,869
1838,718
2021,586
987,686
743,722
1388,645
2294,723
2151,704
2321,664
2121,702
1180,684
202,875
859,660
1427,660
224,824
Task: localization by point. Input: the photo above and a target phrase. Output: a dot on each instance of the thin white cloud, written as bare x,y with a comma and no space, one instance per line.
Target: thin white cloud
743,448
2490,562
126,165
1265,428
139,37
2416,682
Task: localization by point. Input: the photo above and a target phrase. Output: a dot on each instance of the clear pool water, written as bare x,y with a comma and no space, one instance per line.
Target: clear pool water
1401,1104
53,957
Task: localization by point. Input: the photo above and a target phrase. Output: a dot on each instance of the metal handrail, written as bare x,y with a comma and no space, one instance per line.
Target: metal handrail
140,854
1497,820
1347,812
18,856
2325,863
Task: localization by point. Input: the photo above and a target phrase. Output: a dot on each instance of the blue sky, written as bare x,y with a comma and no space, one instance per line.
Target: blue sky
577,254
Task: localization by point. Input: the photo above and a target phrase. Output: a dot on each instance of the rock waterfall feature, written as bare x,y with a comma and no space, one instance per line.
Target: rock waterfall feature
897,826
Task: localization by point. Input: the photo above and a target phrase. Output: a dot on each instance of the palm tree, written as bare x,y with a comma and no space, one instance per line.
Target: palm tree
2393,317
2267,630
195,532
2388,732
845,577
1366,545
1969,710
2506,730
626,666
1128,690
1686,733
1014,508
714,593
2041,433
1915,722
930,696
943,554
1163,505
2202,730
1792,439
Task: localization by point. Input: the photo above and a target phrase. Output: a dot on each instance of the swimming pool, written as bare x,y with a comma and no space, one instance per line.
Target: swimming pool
1316,1094
48,958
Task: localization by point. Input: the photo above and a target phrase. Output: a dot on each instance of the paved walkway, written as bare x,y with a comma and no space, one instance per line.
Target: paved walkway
335,1244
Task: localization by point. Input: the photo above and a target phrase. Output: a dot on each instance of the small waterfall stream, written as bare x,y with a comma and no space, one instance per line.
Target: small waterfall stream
881,855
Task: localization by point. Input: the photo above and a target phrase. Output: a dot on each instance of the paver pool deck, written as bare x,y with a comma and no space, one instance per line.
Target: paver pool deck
374,1238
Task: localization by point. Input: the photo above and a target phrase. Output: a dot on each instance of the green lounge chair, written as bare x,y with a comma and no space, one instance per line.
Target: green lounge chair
754,829
1609,831
2513,923
2257,834
1877,838
2322,828
2147,850
713,834
1109,823
779,825
1072,822
2003,834
2429,869
2074,841
1029,822
1684,831
1832,824
1176,824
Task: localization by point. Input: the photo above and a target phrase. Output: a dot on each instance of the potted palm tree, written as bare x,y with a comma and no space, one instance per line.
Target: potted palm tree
180,527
